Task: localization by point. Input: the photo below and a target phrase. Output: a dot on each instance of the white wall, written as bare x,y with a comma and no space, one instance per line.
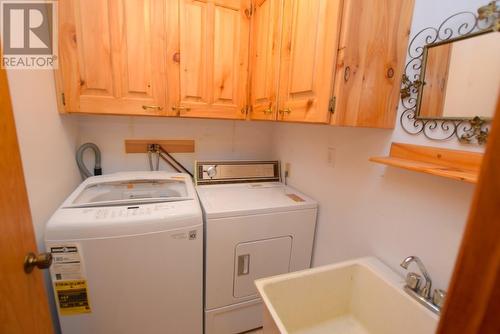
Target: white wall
47,143
214,139
369,209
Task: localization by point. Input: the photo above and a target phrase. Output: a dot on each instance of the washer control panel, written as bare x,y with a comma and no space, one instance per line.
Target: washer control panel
128,211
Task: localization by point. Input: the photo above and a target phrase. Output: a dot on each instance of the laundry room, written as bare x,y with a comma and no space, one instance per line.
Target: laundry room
256,166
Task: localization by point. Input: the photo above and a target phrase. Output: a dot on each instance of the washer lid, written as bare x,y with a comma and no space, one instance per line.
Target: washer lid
231,200
130,188
126,203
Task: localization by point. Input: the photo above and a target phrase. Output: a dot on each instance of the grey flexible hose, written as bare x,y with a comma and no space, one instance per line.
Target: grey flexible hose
84,172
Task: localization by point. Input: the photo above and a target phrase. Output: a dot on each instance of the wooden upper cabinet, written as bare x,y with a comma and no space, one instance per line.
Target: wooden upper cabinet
308,51
293,51
262,59
112,56
208,57
265,46
370,64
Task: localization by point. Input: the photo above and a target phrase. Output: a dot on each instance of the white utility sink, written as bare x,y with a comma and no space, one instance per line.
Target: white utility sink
353,297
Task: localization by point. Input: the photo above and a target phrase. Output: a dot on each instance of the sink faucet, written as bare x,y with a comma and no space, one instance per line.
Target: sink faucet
425,291
422,294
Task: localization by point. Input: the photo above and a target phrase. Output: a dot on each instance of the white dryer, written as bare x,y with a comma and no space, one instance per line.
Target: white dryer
255,227
128,255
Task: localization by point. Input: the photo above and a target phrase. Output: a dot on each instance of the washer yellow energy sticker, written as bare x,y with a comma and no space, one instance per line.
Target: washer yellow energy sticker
73,297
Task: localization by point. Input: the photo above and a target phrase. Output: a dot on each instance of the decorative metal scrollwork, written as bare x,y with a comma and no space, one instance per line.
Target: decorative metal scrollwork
408,86
475,129
457,25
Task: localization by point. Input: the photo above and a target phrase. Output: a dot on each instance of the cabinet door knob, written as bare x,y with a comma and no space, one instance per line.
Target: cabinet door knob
181,108
347,73
176,57
268,111
285,111
146,107
178,109
390,73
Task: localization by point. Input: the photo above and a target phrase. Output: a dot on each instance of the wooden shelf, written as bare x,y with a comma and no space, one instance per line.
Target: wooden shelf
452,164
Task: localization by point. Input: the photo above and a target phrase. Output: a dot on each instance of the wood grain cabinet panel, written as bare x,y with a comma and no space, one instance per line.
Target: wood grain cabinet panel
111,56
370,63
234,59
264,58
209,48
293,51
308,52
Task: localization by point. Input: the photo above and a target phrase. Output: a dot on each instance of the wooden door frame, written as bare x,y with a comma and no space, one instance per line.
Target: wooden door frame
473,302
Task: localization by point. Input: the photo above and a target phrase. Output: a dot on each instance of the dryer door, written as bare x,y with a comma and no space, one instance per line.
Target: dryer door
258,259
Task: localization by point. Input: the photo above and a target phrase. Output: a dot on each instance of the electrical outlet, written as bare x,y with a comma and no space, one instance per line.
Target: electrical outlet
330,157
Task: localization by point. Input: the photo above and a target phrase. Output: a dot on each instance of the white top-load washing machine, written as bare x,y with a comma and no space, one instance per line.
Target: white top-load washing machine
255,227
128,255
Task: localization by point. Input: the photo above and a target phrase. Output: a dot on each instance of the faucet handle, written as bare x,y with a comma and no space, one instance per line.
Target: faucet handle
438,297
413,281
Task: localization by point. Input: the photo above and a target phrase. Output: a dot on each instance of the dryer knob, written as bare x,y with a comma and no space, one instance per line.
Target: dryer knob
212,171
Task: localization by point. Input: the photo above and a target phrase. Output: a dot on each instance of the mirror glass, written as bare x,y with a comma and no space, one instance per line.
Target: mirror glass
461,78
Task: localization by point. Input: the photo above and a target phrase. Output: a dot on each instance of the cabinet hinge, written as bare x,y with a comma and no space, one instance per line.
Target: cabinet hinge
249,11
246,110
331,105
63,99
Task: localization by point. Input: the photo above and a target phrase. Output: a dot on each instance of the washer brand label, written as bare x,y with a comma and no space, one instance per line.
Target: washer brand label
179,236
72,297
70,285
66,262
191,235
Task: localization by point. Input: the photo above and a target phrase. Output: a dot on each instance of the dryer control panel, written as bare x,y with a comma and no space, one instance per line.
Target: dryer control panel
217,172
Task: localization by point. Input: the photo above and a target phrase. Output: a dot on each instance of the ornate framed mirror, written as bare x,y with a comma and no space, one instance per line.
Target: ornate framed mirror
452,79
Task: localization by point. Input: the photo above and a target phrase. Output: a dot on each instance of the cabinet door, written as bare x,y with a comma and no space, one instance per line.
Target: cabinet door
210,58
309,46
264,58
370,63
112,56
